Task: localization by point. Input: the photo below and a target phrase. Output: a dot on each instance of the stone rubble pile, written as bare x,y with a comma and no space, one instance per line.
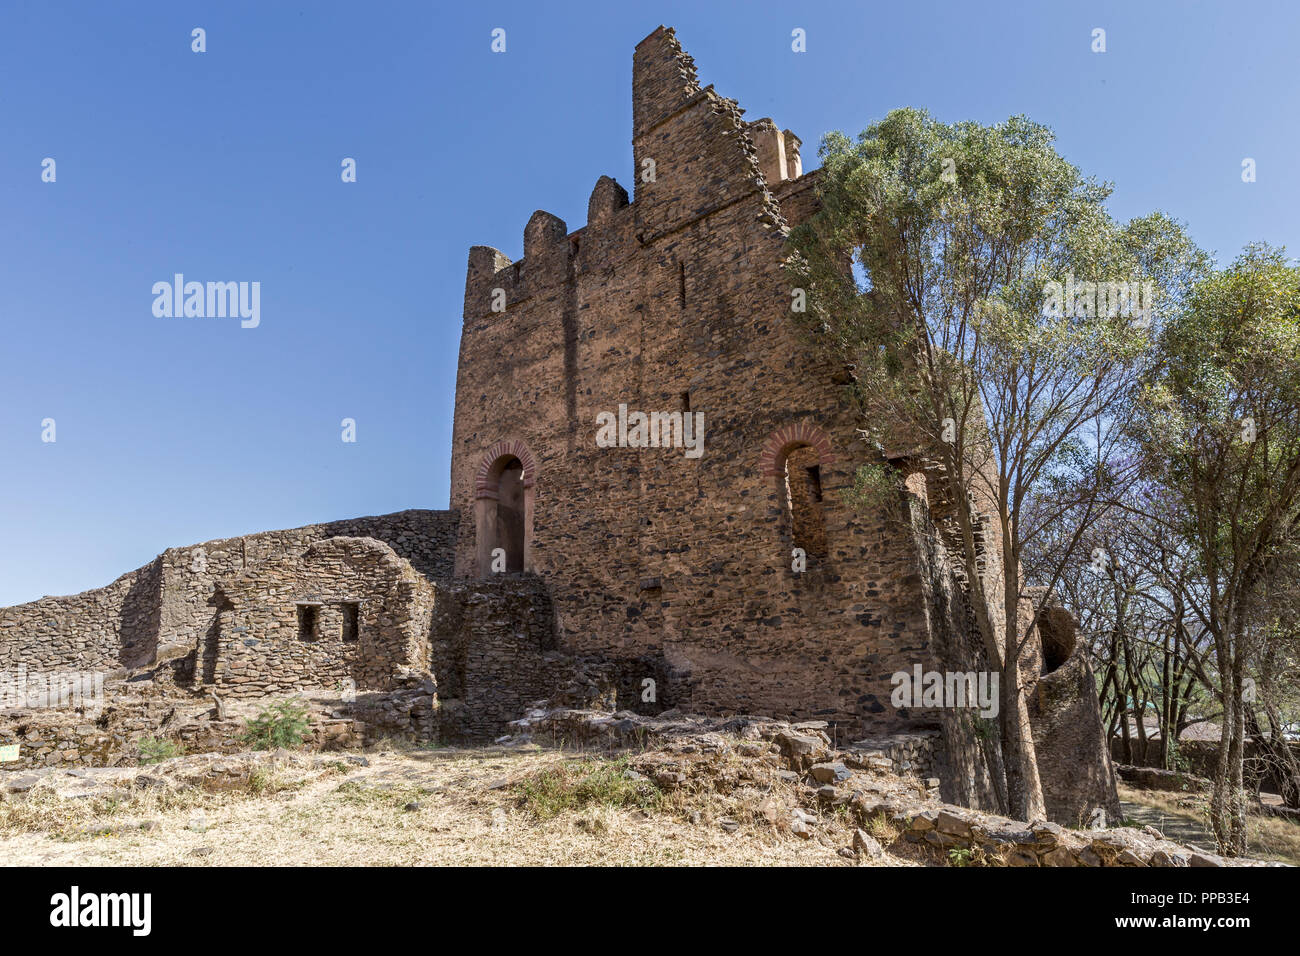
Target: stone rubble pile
722,753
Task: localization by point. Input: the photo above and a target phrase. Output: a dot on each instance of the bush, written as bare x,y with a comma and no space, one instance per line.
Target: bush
156,749
279,725
577,785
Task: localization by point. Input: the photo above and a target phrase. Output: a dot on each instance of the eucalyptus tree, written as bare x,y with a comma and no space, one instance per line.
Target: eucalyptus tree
1220,433
994,320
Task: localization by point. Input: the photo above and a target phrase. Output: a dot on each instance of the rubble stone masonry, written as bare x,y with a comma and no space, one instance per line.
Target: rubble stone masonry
637,575
678,301
168,603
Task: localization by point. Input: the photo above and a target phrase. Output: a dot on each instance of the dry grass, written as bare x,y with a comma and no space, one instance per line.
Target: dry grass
422,808
1269,838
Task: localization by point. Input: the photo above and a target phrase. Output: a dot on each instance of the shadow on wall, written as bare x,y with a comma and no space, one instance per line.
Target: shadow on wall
493,647
141,617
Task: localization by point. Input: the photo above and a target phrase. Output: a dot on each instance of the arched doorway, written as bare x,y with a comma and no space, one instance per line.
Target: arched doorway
503,509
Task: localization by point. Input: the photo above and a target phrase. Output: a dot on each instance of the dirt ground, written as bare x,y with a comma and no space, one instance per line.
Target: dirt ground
406,808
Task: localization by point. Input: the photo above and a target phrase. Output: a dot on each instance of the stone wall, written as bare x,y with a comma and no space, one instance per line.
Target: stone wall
1200,757
917,755
679,300
107,628
167,604
282,623
495,656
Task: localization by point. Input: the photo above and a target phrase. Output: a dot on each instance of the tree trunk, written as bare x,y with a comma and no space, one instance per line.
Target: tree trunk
1282,758
1126,738
1227,801
1024,788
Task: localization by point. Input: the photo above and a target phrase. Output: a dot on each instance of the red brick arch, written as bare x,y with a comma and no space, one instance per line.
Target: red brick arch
781,442
485,482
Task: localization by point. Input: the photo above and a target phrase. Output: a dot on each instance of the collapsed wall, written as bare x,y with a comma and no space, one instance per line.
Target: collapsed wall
1069,737
495,654
970,754
167,603
346,610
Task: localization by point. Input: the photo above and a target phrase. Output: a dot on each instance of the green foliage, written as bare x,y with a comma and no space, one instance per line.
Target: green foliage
156,749
1177,759
1222,424
281,724
960,856
576,785
953,233
875,489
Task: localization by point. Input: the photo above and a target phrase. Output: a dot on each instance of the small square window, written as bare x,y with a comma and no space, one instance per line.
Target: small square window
351,620
308,622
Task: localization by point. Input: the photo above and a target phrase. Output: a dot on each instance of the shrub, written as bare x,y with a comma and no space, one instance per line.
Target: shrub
156,749
280,725
577,785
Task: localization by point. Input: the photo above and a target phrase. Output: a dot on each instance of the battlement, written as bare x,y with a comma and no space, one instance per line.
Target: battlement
693,155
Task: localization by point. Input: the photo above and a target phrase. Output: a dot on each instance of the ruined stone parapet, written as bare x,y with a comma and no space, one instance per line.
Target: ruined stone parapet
347,609
165,606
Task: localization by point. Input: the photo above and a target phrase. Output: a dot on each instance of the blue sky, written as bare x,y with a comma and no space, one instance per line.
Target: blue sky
225,166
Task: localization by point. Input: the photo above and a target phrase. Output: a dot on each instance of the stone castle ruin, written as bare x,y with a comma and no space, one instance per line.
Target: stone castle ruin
622,574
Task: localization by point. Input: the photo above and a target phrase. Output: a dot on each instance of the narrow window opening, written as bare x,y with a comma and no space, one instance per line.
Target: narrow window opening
815,482
803,490
308,620
351,617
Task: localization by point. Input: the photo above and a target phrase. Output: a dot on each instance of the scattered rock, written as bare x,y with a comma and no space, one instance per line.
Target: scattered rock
864,844
830,772
948,822
1059,857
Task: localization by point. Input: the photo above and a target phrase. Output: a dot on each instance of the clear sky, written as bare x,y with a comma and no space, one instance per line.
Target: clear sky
225,166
